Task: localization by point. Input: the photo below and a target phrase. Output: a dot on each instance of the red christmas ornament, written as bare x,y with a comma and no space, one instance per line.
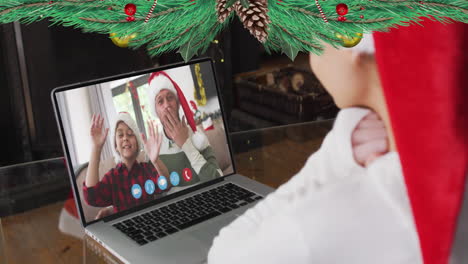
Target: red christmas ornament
130,18
130,9
341,18
341,9
361,16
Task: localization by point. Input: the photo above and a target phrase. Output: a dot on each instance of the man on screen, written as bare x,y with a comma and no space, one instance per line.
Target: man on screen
185,150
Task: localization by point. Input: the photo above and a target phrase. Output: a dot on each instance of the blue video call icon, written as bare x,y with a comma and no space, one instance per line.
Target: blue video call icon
162,183
174,178
149,187
136,191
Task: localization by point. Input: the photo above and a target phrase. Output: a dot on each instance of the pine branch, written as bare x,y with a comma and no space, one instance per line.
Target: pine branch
8,10
328,38
425,3
165,12
171,40
301,40
206,36
79,1
106,21
367,21
38,4
302,10
445,5
276,45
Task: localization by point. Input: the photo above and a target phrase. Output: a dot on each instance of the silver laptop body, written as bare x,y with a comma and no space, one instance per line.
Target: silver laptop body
189,245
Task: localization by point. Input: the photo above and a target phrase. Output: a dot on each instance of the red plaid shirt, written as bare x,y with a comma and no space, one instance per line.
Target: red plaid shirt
115,188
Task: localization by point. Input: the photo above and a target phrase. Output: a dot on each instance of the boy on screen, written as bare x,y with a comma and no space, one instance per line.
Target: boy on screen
130,183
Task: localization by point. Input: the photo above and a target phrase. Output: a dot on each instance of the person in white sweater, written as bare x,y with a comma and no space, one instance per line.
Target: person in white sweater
343,206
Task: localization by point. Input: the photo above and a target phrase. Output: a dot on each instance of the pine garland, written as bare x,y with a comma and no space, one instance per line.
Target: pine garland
125,21
170,40
299,17
190,26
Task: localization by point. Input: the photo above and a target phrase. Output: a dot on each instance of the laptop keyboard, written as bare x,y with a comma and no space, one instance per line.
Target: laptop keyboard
185,213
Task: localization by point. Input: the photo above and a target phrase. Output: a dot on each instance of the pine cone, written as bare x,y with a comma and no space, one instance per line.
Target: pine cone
255,18
223,12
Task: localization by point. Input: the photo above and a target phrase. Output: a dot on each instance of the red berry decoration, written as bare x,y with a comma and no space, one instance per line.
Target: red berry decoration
341,18
341,9
130,18
130,9
361,16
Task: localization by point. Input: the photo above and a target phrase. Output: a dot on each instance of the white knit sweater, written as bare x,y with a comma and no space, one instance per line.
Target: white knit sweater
333,211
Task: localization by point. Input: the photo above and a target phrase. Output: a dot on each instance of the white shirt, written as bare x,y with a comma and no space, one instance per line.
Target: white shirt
332,211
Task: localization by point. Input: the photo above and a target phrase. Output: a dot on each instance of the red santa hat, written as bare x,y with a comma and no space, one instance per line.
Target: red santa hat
161,80
424,74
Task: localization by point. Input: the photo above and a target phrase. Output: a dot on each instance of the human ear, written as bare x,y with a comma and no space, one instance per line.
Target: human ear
357,58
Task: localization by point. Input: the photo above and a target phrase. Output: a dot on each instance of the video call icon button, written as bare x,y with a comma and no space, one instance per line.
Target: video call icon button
149,187
136,191
174,178
162,183
187,174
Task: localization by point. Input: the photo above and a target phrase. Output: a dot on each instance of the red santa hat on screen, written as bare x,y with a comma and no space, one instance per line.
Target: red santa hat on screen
161,80
423,71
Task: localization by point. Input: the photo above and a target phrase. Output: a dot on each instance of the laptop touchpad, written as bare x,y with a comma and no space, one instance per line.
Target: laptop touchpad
175,250
210,230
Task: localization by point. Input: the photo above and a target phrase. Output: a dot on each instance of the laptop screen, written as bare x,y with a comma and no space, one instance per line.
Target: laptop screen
139,138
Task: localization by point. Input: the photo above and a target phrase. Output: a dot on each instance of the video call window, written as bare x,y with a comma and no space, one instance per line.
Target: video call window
132,96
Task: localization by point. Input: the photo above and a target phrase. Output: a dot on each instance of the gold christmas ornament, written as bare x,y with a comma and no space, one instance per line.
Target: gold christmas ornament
349,41
199,93
122,42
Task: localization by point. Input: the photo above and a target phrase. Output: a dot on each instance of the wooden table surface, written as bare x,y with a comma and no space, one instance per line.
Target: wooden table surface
34,237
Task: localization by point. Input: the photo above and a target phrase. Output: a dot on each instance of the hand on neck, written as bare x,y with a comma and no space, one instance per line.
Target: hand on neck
375,100
382,111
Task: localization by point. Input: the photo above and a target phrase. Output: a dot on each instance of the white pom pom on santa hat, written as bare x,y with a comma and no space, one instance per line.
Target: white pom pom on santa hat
200,141
161,80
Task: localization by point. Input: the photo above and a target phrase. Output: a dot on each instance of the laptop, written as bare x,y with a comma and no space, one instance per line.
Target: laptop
177,224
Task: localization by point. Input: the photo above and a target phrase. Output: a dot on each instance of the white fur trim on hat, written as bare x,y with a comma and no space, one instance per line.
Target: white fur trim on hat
128,120
366,45
157,84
